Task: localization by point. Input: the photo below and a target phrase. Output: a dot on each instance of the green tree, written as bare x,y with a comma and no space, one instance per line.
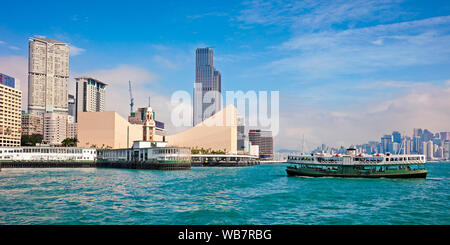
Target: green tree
30,140
70,142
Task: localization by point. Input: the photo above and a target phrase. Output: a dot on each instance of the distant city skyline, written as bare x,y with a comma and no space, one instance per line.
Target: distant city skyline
371,67
434,146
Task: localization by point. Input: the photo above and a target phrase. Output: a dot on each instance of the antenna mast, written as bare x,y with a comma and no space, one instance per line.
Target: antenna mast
131,98
303,143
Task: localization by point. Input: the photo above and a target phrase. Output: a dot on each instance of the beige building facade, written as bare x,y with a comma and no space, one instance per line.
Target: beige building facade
10,116
55,128
48,76
106,129
218,132
32,124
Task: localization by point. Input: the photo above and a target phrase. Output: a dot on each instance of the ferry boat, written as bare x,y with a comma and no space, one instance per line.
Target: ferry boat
357,165
146,155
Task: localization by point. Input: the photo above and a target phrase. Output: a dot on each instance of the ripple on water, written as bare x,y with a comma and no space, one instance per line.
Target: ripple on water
254,195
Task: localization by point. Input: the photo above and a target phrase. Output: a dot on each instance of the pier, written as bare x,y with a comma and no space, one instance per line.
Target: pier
212,160
144,165
47,164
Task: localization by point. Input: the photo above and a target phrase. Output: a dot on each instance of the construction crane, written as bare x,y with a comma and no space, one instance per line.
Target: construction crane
131,98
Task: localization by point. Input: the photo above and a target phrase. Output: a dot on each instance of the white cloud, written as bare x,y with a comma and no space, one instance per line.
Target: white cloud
164,61
378,42
316,14
391,84
13,47
2,42
331,53
421,107
74,51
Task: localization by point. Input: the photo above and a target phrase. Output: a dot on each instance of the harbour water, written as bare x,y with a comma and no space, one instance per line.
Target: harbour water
260,194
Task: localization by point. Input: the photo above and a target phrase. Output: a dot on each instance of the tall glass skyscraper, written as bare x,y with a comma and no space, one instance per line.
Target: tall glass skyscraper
207,86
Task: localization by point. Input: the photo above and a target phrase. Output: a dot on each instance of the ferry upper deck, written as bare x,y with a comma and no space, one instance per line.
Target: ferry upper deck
360,159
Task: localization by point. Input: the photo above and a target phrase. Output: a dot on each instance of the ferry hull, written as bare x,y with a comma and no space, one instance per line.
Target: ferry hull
394,174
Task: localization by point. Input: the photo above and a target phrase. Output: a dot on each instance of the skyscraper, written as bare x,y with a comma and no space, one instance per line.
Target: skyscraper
429,150
207,86
264,140
447,150
90,95
241,137
386,143
397,137
48,76
71,105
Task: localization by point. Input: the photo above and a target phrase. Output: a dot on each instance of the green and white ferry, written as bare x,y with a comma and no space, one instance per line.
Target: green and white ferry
357,165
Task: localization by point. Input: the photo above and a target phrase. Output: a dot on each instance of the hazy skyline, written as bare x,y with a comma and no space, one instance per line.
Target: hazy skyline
347,71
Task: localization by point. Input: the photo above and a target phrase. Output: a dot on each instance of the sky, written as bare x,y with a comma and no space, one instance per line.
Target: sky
347,71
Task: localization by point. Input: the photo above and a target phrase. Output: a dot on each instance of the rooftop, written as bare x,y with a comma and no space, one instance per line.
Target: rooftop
90,78
46,40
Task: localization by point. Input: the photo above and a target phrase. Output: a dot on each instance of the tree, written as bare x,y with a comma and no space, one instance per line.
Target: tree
30,140
70,142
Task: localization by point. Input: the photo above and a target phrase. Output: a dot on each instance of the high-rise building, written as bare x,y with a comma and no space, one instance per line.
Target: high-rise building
32,124
386,143
429,150
447,150
10,115
264,140
241,137
417,132
445,136
427,135
71,105
397,137
207,86
90,95
55,128
416,144
71,129
48,76
7,80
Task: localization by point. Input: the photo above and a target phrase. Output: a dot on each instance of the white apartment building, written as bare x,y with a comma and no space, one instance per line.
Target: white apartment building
48,76
55,128
90,95
71,127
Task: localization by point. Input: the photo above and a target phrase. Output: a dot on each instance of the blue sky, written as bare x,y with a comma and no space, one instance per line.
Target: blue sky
346,70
